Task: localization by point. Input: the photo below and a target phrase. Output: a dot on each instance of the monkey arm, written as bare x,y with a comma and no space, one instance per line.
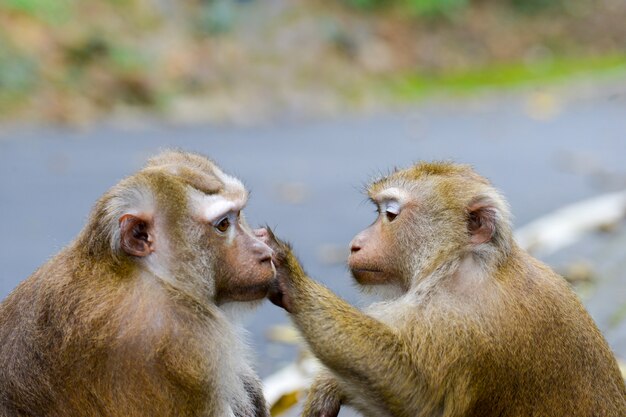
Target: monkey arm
253,387
324,398
356,347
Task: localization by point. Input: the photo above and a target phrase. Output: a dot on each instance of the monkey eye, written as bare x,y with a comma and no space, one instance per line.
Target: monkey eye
223,225
392,210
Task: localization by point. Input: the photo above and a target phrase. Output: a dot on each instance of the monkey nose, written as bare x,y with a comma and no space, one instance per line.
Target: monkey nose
355,246
264,253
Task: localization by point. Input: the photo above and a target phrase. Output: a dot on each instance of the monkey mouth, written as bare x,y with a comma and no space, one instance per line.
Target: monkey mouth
366,270
358,266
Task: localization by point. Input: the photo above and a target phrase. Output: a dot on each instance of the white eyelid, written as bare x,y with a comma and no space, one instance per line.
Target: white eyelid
392,206
220,219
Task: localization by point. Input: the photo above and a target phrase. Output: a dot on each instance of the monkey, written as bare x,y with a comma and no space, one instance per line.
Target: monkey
132,318
471,324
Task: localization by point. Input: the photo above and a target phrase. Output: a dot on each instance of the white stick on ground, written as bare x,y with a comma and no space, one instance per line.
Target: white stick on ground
565,226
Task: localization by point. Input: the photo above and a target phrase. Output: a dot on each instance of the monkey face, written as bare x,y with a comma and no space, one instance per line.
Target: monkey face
241,262
190,227
426,214
375,253
243,267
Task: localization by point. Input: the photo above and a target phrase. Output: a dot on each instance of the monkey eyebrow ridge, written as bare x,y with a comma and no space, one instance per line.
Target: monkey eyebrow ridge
392,193
215,206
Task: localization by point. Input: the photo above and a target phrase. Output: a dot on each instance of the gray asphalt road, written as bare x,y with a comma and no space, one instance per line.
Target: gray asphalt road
306,177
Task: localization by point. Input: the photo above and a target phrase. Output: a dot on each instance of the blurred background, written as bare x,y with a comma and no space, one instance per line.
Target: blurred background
245,61
306,100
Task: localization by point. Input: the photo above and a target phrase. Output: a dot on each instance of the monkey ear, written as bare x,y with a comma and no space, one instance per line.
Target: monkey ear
136,235
481,222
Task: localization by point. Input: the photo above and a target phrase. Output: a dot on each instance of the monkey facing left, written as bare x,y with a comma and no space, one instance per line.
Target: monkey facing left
129,319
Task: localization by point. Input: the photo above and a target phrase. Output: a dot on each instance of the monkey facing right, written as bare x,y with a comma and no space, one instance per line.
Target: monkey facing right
472,324
133,318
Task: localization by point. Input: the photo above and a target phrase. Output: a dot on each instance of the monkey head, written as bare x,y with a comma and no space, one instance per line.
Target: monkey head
180,220
428,216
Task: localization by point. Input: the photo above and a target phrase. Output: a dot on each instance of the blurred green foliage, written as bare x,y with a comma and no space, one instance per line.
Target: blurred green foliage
416,7
532,6
434,8
50,11
504,76
62,54
18,74
216,16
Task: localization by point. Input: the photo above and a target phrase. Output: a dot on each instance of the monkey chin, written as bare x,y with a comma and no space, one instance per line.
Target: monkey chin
253,293
377,284
368,276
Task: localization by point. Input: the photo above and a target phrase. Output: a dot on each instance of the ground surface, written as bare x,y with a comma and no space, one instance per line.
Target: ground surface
306,178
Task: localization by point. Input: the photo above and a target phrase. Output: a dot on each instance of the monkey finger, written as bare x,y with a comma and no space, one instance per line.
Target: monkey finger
273,241
278,296
262,234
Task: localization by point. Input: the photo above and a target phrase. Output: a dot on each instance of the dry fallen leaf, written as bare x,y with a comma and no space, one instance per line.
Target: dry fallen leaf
285,403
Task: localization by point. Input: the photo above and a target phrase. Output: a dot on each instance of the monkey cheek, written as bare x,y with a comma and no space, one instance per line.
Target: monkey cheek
259,284
248,282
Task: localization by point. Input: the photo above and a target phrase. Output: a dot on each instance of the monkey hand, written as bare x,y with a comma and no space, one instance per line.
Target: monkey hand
289,273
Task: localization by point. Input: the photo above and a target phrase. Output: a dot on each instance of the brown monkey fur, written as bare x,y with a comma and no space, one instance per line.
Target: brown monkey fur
476,326
128,320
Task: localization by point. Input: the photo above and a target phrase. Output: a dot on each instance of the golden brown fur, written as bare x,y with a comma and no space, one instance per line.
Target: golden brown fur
479,327
96,332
